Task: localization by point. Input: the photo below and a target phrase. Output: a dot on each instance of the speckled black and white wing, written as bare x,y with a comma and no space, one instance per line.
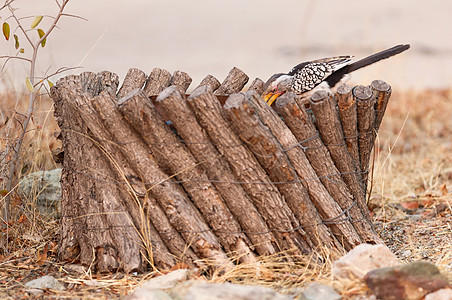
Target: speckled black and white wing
308,75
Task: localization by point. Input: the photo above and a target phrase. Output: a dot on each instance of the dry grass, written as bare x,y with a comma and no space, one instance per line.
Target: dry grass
412,164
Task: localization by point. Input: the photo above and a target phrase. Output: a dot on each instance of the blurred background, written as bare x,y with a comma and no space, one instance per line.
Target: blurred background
261,37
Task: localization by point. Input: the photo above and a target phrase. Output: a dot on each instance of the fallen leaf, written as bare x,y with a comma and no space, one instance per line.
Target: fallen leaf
443,189
410,205
179,265
22,219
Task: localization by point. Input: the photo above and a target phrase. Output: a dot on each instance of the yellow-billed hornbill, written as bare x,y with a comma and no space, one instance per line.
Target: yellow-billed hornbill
322,73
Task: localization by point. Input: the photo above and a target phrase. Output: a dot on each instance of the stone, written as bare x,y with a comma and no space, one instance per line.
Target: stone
362,259
164,282
318,291
45,282
411,281
201,290
443,294
46,188
149,294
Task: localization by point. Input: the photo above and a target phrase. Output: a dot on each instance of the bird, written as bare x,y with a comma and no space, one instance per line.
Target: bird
307,77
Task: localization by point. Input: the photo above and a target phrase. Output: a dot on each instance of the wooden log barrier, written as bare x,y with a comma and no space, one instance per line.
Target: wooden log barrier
222,185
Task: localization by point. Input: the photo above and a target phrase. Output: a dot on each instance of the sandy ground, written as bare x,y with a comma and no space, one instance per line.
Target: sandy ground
262,37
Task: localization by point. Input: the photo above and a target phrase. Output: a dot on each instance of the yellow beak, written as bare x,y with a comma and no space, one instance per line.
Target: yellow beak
271,97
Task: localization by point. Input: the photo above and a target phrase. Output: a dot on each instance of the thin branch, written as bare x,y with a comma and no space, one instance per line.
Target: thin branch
8,57
60,70
7,3
75,16
11,9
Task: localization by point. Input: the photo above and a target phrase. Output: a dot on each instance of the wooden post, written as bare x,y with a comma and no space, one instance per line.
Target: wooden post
349,119
366,130
258,186
382,92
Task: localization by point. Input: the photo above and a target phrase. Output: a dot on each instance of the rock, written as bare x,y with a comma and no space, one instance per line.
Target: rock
45,282
444,294
149,294
45,186
362,259
411,281
163,282
318,291
201,290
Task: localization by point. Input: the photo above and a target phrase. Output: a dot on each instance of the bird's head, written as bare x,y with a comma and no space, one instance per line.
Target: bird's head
277,85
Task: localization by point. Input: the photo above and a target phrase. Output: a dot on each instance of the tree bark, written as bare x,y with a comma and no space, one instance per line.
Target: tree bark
247,170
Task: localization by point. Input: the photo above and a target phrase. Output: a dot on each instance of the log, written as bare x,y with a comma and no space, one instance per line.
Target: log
309,183
234,83
173,157
297,119
381,92
263,193
210,81
157,81
134,79
349,119
257,85
199,144
366,132
328,123
181,80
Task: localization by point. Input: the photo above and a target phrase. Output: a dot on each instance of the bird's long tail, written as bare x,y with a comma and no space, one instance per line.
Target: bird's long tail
337,76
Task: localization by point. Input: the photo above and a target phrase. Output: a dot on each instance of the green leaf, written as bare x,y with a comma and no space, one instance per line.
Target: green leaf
3,192
21,50
29,85
50,83
36,21
6,30
41,34
16,44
